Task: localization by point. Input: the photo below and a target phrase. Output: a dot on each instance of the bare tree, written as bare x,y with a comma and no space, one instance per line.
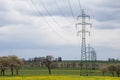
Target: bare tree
48,62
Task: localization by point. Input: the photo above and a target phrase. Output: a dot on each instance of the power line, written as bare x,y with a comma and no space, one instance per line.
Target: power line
48,11
47,21
69,1
42,3
59,9
71,10
80,6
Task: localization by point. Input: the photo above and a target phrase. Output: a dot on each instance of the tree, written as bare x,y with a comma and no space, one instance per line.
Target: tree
48,62
4,64
12,62
111,69
117,70
103,70
15,63
59,59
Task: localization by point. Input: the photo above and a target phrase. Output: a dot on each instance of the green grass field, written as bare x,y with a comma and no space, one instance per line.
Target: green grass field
57,74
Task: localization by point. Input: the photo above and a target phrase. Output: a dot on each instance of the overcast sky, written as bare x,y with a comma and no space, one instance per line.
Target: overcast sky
28,30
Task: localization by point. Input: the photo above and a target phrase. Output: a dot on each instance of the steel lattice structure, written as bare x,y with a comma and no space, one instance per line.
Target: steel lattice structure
92,57
83,32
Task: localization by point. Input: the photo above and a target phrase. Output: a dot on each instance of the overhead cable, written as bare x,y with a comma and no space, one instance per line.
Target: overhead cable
47,21
71,10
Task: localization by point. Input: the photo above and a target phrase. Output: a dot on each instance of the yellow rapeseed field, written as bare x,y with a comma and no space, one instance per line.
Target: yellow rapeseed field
59,78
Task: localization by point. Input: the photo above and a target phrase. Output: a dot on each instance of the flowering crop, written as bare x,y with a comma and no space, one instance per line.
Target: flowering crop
59,78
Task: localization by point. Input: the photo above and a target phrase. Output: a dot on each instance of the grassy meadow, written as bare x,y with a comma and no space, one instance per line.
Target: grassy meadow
57,74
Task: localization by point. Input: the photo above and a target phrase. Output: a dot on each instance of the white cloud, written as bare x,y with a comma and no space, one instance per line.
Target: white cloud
106,37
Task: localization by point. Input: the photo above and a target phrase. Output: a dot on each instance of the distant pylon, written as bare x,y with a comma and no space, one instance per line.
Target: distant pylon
83,32
92,57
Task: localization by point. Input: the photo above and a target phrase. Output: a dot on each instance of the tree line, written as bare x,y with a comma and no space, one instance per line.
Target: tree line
112,69
10,62
13,63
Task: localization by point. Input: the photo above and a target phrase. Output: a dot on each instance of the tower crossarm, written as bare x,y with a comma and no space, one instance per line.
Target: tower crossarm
82,32
84,23
83,15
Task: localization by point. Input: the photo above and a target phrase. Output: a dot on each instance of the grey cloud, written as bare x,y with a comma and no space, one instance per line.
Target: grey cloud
7,18
111,4
106,13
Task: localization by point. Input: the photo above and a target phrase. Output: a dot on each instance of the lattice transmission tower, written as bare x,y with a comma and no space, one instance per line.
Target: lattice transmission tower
92,57
83,31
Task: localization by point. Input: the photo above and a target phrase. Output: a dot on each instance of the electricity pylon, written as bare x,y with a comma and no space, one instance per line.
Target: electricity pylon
83,23
92,57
